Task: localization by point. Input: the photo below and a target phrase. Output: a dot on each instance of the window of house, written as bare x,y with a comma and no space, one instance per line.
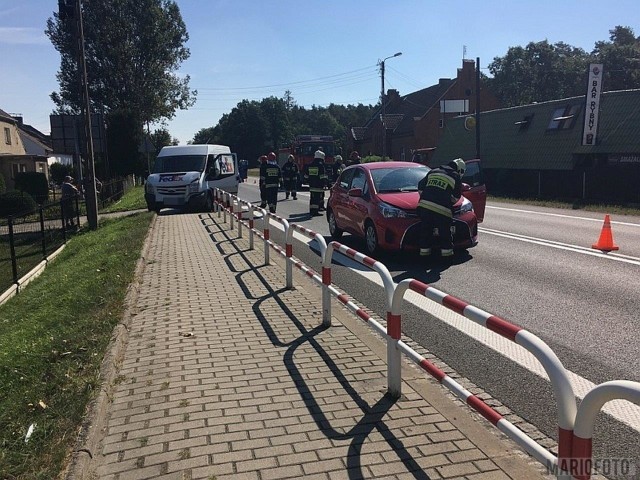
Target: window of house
7,135
564,118
17,168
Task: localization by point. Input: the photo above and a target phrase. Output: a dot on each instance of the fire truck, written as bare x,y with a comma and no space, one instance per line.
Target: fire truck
303,148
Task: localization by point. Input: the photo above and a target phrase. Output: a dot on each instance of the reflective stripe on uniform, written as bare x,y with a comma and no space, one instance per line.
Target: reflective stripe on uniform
440,180
446,252
424,252
316,190
434,207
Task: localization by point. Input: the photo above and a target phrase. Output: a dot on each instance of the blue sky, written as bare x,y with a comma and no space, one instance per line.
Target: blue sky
323,51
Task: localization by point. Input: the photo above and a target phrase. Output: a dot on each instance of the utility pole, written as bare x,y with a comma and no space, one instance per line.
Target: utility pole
66,10
477,107
383,102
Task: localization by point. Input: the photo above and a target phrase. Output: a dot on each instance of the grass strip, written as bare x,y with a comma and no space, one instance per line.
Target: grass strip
53,337
133,199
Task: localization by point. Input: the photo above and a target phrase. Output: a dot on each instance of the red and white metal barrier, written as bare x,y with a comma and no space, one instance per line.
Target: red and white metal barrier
581,462
563,391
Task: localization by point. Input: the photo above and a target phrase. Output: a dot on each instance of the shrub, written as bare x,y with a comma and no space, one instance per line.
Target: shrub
35,184
15,202
3,186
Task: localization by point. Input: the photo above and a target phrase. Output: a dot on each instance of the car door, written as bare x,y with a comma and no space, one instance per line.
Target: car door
359,205
474,188
339,200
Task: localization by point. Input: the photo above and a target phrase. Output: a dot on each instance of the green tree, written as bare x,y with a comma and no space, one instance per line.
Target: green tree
133,51
161,137
206,135
58,171
124,137
245,130
274,112
621,59
539,72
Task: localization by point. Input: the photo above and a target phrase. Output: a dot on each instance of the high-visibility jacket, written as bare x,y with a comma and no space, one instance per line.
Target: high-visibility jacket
273,177
440,189
289,171
315,175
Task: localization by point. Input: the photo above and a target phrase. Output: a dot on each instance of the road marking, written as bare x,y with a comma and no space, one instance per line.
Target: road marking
561,215
563,246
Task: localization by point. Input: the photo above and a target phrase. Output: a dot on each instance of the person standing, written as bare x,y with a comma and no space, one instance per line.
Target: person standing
354,158
290,177
316,178
440,190
68,198
338,167
273,179
261,181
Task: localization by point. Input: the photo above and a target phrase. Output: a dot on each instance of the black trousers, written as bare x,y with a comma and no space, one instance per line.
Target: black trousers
271,195
429,221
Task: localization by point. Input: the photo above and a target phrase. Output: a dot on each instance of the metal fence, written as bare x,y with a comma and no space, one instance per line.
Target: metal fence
28,238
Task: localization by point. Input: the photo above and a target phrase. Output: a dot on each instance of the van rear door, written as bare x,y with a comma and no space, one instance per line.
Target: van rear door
222,172
477,191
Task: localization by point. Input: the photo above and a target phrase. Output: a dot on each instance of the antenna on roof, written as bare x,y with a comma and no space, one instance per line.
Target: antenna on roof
464,52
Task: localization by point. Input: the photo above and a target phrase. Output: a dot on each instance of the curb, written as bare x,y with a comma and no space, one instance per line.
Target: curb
81,465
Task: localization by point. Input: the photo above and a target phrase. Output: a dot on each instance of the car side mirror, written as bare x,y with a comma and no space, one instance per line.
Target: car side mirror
355,192
466,187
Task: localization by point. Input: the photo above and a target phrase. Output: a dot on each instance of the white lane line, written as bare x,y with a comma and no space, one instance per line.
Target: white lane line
622,410
534,212
563,246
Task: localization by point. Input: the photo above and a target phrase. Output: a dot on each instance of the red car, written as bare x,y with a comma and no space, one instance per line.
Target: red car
378,202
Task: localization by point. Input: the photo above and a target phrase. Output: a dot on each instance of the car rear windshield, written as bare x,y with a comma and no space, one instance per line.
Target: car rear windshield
405,179
179,163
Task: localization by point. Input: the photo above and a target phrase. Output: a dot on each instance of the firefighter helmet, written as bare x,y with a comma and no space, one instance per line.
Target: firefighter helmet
319,154
263,158
271,156
354,154
458,165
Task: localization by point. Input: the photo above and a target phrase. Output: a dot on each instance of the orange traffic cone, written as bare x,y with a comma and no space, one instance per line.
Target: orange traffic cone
605,242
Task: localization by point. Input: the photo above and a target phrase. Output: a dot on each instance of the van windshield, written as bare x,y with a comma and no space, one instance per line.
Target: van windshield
179,163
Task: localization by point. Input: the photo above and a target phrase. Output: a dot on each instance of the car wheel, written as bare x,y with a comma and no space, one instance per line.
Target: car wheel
335,232
370,237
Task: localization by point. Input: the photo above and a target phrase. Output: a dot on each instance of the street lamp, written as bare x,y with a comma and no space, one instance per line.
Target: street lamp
382,101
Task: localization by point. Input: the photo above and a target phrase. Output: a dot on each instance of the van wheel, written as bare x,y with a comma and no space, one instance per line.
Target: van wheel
335,232
208,204
370,237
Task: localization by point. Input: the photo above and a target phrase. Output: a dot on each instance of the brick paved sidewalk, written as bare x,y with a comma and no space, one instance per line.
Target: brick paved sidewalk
226,374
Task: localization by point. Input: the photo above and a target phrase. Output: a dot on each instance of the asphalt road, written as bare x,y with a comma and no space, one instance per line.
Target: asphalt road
534,267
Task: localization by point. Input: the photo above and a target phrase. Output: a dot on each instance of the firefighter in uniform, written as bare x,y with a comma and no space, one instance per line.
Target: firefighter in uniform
338,167
354,158
290,177
440,190
316,178
263,176
273,179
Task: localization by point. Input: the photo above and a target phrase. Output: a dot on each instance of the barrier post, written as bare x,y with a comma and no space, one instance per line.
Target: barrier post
265,232
230,200
326,295
239,218
219,200
581,461
288,247
250,226
224,207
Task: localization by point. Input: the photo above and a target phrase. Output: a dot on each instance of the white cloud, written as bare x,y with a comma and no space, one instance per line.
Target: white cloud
22,36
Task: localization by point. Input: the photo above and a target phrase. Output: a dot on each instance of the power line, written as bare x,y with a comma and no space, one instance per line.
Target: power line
315,80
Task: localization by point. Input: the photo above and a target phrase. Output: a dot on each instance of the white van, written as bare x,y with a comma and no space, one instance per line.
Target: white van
184,177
